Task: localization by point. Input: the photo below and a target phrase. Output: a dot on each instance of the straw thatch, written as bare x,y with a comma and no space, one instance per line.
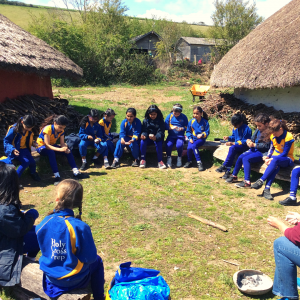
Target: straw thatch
21,51
268,57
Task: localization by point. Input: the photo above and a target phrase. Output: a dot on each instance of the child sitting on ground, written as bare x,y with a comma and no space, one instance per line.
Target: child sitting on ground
197,133
69,256
241,132
153,133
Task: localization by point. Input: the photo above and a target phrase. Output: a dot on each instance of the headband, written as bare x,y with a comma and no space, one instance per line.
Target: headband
152,109
177,108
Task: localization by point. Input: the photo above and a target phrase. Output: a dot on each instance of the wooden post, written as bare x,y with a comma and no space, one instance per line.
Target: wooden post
195,59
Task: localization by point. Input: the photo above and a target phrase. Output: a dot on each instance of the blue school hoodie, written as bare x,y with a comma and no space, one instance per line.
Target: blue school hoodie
87,129
105,130
195,128
67,248
240,135
131,130
171,122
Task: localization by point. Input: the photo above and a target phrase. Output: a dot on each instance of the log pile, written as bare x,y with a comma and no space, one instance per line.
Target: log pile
40,107
225,105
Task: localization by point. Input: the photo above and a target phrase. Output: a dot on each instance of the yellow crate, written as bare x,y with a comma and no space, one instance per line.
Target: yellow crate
199,90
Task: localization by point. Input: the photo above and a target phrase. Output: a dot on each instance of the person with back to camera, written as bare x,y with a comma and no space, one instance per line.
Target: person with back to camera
197,133
17,233
279,156
258,147
153,133
241,132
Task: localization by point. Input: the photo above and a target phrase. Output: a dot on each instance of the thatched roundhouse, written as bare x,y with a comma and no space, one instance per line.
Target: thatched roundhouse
264,66
27,63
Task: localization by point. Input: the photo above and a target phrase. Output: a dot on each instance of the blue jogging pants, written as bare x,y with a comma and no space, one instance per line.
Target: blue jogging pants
170,141
233,151
158,146
26,160
110,146
134,147
101,147
193,148
295,180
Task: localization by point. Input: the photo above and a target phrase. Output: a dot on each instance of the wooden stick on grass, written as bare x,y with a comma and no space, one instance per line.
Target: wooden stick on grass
207,222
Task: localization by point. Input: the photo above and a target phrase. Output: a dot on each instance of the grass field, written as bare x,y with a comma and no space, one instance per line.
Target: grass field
141,215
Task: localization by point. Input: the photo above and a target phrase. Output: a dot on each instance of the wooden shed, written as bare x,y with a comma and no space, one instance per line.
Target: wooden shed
264,66
146,43
191,48
28,63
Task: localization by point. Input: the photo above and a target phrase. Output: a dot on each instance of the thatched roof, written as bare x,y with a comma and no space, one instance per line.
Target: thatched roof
198,41
21,51
268,57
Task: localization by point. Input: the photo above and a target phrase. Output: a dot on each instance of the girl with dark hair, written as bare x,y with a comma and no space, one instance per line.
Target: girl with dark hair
91,135
129,136
69,256
153,132
241,132
279,156
258,148
105,123
197,133
52,129
17,235
17,145
176,124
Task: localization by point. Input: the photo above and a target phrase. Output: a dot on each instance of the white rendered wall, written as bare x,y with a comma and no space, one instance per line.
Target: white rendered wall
286,99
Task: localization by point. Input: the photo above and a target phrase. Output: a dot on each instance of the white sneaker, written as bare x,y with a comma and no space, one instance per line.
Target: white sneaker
169,162
143,164
161,165
179,162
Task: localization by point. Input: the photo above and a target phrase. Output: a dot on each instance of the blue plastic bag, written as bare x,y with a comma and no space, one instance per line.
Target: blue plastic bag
152,288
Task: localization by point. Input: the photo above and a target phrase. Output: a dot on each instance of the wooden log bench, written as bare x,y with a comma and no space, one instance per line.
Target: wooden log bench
283,174
31,285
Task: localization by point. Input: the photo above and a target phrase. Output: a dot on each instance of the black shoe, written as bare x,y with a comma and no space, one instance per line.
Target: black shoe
135,163
35,176
57,180
267,194
107,165
80,176
257,185
231,179
226,175
221,169
243,184
96,162
288,202
83,166
188,164
200,166
115,165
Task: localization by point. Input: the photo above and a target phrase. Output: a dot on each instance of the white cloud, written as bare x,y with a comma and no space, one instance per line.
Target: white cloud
58,3
152,1
268,7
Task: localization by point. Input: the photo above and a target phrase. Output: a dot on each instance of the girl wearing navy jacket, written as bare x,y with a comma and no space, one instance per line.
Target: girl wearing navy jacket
90,134
258,148
153,132
105,122
176,123
241,132
17,145
130,131
69,256
197,133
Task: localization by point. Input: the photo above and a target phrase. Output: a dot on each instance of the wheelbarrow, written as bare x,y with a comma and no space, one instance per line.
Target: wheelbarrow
199,91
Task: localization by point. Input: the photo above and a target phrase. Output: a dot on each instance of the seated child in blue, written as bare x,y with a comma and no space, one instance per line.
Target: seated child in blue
53,129
106,122
153,133
280,155
259,145
17,233
90,134
176,123
17,145
291,200
69,256
130,131
241,132
197,133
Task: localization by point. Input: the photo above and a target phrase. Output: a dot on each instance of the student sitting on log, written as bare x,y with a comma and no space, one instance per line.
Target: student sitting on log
17,233
17,145
90,134
259,147
69,256
292,200
241,132
130,130
279,156
153,133
52,129
105,123
197,133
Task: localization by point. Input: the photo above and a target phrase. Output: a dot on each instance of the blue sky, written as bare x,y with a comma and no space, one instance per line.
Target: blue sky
178,10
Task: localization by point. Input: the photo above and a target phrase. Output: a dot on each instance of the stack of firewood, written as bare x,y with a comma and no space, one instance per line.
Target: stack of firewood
225,105
40,107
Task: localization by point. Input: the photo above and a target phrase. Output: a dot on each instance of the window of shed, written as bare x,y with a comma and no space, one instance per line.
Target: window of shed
199,50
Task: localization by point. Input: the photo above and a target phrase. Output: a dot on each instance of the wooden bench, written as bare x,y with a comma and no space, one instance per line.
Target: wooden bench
283,174
31,285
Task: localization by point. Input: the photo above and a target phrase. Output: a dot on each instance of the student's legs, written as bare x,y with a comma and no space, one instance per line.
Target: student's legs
233,151
169,145
71,159
135,149
287,258
83,145
52,158
97,278
26,161
143,148
190,151
30,243
159,150
198,143
120,147
295,181
102,148
179,146
110,145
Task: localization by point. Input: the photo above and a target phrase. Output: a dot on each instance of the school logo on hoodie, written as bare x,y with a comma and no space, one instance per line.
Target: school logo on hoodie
59,250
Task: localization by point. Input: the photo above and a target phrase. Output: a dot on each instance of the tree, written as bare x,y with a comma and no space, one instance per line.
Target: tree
233,20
